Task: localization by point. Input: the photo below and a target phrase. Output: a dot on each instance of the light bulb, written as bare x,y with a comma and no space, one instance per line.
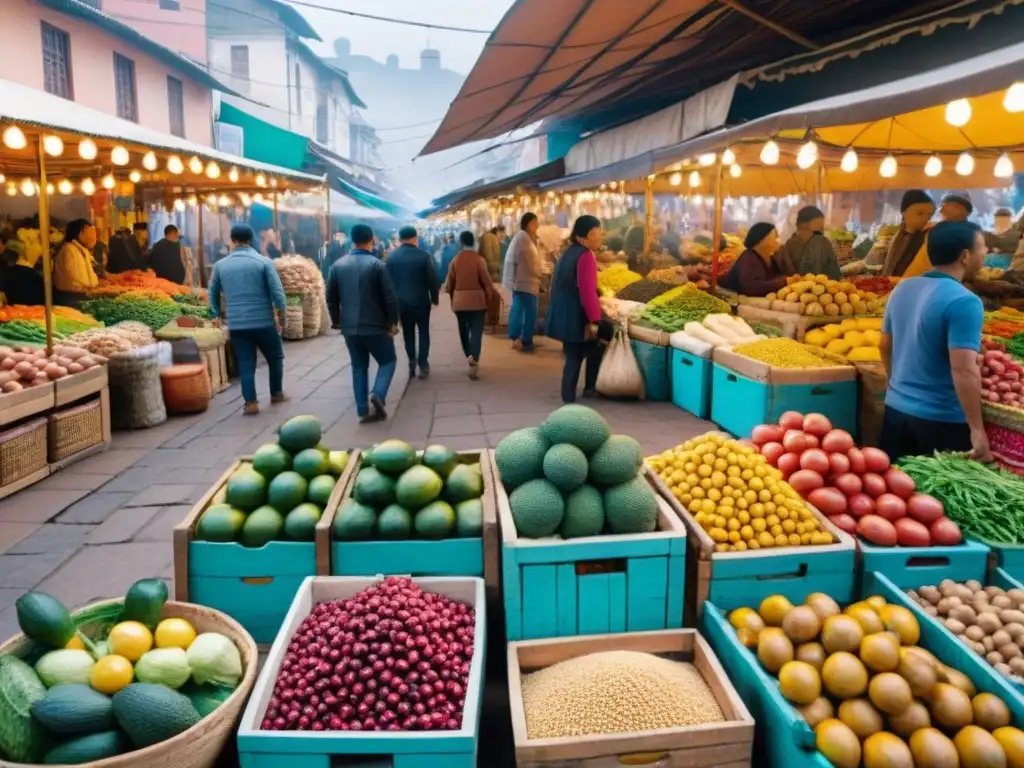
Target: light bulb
195,165
193,200
770,153
53,145
807,156
611,185
273,181
175,166
707,159
88,188
49,189
12,190
735,171
849,161
728,157
108,181
179,206
698,200
259,198
28,188
14,138
224,201
244,199
675,179
651,177
958,113
934,166
261,180
694,179
887,169
1013,101
65,187
212,170
135,177
119,156
211,199
233,176
1004,167
149,161
87,149
2,178
965,164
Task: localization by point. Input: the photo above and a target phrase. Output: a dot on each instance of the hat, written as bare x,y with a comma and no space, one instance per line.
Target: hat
914,197
809,213
947,241
757,233
961,200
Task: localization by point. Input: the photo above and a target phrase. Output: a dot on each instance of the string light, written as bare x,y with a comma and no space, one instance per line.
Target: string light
212,170
28,188
53,145
770,153
65,187
728,157
611,185
135,177
261,180
2,178
245,199
119,156
694,179
87,149
88,188
675,179
175,166
707,159
735,171
224,201
887,169
1013,101
211,199
965,164
849,162
233,175
49,189
193,200
258,198
195,165
273,182
698,200
12,190
149,161
958,113
108,181
1004,167
807,156
933,167
14,138
179,206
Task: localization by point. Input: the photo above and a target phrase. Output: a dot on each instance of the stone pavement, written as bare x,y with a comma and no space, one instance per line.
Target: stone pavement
91,530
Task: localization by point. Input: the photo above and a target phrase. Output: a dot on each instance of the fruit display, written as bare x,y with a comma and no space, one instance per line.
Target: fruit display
789,353
872,696
820,296
615,277
676,275
675,308
1001,378
988,620
856,488
736,496
24,366
718,330
571,477
878,285
855,339
398,494
1003,324
125,681
391,658
643,290
280,495
139,281
615,692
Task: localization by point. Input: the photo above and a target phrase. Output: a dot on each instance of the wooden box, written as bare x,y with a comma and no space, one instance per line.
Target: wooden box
80,385
726,744
15,406
592,585
216,362
910,567
390,749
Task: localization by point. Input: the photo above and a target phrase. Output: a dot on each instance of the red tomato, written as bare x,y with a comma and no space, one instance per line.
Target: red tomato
899,482
857,464
831,501
816,424
891,507
772,452
849,484
788,464
945,533
839,463
811,441
844,523
791,420
910,533
877,530
815,460
924,508
805,480
861,504
837,441
876,460
794,441
767,433
874,485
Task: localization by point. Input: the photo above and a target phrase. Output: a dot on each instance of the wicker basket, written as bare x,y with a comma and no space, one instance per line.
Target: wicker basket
75,429
292,323
137,399
310,315
202,744
22,451
186,388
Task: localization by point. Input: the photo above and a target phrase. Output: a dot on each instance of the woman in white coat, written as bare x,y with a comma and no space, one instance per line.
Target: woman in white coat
521,275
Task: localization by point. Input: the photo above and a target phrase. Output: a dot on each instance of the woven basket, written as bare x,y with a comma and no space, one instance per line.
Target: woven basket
137,399
202,744
1003,416
186,388
325,317
22,451
75,429
648,335
292,323
310,314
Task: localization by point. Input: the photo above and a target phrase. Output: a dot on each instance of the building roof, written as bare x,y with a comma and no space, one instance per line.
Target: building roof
178,62
331,71
292,19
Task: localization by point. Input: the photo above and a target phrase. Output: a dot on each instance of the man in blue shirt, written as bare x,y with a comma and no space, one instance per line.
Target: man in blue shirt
415,278
930,341
255,303
362,302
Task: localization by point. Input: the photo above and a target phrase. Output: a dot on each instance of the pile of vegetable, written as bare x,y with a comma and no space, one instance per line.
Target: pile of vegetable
281,494
1001,378
25,366
789,353
150,312
988,620
880,286
818,295
985,501
615,277
1004,324
871,694
1014,346
856,488
390,658
123,337
27,324
138,280
676,275
672,310
572,478
615,309
643,290
124,678
855,339
736,496
719,330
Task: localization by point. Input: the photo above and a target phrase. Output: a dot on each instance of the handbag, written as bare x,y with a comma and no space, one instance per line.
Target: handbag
620,374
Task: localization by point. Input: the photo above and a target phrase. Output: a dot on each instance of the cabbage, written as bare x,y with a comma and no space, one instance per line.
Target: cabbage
65,666
213,658
165,666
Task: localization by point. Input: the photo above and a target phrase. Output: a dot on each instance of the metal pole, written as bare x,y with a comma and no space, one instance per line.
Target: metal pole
276,220
44,236
648,217
201,247
716,234
821,177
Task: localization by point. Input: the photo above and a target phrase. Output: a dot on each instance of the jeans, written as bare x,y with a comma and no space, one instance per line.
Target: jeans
411,322
576,352
268,342
381,347
471,331
522,318
906,435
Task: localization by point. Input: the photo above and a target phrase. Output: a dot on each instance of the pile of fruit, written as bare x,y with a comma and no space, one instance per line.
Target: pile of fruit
390,658
789,353
880,286
737,496
1001,378
399,495
571,477
873,696
281,494
643,290
818,295
125,681
24,366
855,487
615,277
855,339
674,274
686,303
136,280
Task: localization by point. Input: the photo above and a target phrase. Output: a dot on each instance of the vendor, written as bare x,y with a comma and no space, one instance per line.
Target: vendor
168,257
1004,237
907,247
73,273
756,272
126,250
808,250
24,284
931,335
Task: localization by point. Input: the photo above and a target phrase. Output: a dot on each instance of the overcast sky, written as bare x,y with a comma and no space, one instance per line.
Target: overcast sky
459,50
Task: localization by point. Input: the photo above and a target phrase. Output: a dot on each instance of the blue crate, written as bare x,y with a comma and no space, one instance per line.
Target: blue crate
653,362
691,383
1009,557
738,403
910,567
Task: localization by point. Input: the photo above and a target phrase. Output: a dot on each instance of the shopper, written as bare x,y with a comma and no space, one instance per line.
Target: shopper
574,311
255,308
337,248
756,272
470,287
415,277
168,257
808,250
74,273
521,274
451,247
362,302
490,249
908,245
931,335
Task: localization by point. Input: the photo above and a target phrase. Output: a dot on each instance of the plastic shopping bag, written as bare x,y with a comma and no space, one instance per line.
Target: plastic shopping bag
620,374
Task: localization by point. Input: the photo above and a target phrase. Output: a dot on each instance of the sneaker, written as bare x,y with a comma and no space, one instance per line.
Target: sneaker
424,371
590,393
368,418
250,409
517,345
412,372
378,407
281,397
474,369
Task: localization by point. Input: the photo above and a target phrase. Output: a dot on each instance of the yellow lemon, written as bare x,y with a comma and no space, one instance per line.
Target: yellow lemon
130,639
75,643
174,633
111,673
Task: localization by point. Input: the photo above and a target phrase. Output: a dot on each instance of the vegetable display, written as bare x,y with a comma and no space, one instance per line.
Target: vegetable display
615,277
23,366
855,339
686,303
643,290
1004,324
718,330
391,658
135,280
735,495
855,487
879,286
819,296
675,275
789,353
1001,378
152,313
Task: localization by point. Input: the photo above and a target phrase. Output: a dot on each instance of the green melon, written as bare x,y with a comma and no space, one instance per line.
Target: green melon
338,461
631,507
221,523
300,523
417,487
311,462
584,513
618,460
246,490
577,425
299,433
394,523
393,457
354,521
320,489
373,488
520,456
441,459
287,491
566,466
464,483
537,508
435,521
262,526
469,518
271,460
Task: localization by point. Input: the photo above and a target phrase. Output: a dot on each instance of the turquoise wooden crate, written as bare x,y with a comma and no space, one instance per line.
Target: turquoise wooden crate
654,366
325,749
592,585
910,567
691,383
1006,556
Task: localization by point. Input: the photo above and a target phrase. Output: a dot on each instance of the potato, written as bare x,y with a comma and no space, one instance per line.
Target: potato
964,593
1003,669
74,368
1017,665
1017,595
1009,651
931,594
1014,628
944,606
947,587
1002,601
7,364
974,633
954,626
1001,637
973,584
994,658
989,643
12,386
986,608
979,648
964,614
993,591
931,610
1011,617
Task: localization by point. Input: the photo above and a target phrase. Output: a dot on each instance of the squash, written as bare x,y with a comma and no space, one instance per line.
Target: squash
817,337
44,618
869,324
22,739
144,602
865,355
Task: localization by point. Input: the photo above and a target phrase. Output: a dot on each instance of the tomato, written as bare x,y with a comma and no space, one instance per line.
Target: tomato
805,480
844,523
811,441
791,420
767,433
772,452
849,484
816,424
815,460
830,501
899,482
794,441
924,508
945,533
910,533
857,464
839,463
875,460
788,464
877,530
861,504
891,507
874,485
837,441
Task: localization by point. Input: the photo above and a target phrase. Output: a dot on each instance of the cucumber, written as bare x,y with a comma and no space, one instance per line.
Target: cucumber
87,749
144,601
74,709
22,739
44,618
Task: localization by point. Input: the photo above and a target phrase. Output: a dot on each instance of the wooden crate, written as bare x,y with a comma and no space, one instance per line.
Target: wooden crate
216,362
592,585
384,749
15,406
723,745
910,567
734,579
80,385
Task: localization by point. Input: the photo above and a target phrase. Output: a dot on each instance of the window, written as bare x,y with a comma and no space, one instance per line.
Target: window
124,88
57,62
240,67
298,90
322,134
176,106
170,5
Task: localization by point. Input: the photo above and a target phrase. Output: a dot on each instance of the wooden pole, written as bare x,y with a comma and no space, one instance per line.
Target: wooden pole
716,232
44,236
327,207
276,219
201,248
648,217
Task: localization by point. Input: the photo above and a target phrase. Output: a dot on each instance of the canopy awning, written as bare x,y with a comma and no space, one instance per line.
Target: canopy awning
368,199
314,205
519,182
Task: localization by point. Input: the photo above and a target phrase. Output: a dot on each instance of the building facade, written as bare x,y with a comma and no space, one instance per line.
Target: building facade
178,24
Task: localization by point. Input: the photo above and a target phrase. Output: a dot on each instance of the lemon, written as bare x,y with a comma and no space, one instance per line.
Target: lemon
174,633
75,643
130,639
111,673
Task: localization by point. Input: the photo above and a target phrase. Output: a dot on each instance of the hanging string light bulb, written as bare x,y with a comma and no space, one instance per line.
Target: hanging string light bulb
707,159
195,165
108,181
675,179
49,190
135,177
887,169
1013,101
224,201
88,187
87,149
849,162
14,138
65,187
233,175
698,200
53,145
735,171
12,189
728,157
770,153
149,161
965,164
958,113
175,166
212,170
694,180
119,156
179,205
933,167
28,188
1004,167
807,156
261,180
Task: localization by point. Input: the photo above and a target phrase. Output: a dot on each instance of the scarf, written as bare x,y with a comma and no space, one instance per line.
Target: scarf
902,250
